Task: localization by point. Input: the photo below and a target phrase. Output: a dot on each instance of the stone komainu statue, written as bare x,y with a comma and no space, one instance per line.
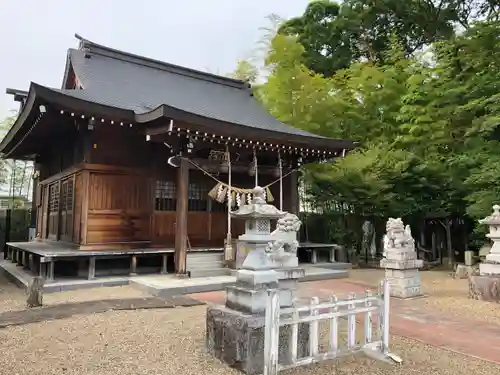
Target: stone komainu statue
285,236
397,236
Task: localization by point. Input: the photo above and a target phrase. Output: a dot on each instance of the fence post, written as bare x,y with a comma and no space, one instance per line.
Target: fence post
334,327
313,328
8,219
271,333
351,322
368,318
385,324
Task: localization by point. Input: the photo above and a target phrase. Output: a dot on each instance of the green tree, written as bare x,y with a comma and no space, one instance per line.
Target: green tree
15,175
245,71
334,35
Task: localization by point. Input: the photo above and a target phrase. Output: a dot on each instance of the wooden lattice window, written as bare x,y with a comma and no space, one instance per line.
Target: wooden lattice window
64,195
165,196
197,197
54,197
69,197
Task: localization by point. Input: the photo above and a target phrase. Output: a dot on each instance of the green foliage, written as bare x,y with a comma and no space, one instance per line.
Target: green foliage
245,71
427,122
15,175
334,35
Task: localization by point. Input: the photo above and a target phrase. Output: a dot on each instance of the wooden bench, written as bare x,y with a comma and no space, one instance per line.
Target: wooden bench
314,248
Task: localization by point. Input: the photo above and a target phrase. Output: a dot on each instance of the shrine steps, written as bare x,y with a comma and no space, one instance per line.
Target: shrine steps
206,264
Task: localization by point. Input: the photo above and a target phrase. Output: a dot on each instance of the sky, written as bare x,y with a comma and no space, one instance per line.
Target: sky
205,35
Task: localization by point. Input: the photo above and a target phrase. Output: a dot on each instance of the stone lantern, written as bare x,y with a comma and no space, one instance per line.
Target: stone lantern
486,285
235,332
491,266
257,271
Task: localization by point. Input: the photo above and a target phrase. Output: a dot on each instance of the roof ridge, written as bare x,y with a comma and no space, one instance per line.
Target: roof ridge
99,49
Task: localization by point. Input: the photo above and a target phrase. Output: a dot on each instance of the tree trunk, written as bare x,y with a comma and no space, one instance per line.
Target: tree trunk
451,255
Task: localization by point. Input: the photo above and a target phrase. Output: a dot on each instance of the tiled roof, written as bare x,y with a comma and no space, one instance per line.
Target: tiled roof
131,82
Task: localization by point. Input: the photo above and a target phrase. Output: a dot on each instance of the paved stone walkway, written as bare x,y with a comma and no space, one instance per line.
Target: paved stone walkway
410,319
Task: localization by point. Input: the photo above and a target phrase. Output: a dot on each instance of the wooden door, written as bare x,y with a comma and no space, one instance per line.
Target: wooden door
53,211
66,209
44,211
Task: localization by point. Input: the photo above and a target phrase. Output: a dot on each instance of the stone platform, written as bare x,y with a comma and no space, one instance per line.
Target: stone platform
485,288
168,285
160,285
22,278
237,339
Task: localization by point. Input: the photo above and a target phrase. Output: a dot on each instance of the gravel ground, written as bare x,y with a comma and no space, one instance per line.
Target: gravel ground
13,298
171,342
445,294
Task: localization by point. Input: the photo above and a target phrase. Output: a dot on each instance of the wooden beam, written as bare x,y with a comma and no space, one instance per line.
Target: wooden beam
181,217
85,206
214,166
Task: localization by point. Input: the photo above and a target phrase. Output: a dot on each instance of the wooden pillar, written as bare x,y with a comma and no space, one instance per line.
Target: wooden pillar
35,201
42,270
50,270
294,193
24,260
164,259
19,259
133,265
31,263
181,216
91,269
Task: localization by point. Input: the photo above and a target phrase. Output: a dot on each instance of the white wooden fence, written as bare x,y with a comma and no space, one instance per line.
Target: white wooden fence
332,311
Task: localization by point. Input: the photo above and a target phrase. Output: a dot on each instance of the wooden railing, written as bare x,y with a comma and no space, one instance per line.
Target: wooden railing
334,312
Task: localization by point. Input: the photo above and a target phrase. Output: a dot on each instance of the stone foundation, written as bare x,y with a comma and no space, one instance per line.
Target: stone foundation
237,339
400,260
489,268
404,282
464,272
485,288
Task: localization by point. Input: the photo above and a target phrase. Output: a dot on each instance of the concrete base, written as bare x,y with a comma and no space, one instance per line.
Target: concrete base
22,279
489,268
404,283
464,272
254,301
238,339
485,287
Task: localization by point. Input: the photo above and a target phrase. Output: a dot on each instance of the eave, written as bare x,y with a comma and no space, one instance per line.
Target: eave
30,114
153,122
202,124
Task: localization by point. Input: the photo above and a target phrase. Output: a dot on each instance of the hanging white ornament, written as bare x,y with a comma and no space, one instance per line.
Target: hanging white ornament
238,199
249,198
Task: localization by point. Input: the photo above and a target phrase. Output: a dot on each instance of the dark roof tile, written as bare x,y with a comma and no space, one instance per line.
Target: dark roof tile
123,82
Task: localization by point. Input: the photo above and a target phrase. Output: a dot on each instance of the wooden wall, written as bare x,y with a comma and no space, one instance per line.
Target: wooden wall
119,208
114,196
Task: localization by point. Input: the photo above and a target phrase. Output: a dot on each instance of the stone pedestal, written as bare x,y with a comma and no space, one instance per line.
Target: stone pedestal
400,261
464,272
485,288
237,339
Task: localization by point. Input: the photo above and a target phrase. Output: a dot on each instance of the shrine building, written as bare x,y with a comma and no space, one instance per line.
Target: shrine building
138,158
